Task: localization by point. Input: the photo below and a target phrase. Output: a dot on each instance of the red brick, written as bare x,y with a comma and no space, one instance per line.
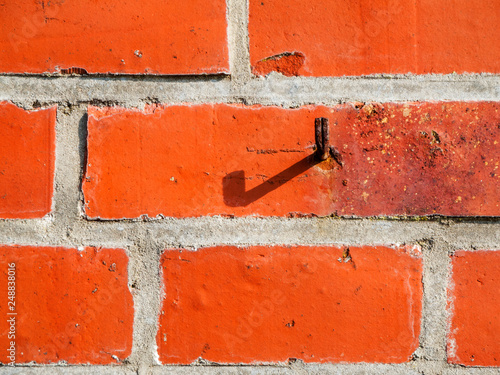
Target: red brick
267,304
337,38
197,160
27,155
149,37
71,305
475,309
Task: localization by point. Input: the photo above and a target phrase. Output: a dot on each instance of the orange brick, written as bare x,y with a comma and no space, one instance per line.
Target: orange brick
198,160
27,156
475,309
86,36
268,304
337,38
70,305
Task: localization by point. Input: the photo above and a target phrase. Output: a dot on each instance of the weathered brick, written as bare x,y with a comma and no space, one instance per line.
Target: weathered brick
71,305
336,38
197,160
268,304
86,36
474,307
27,157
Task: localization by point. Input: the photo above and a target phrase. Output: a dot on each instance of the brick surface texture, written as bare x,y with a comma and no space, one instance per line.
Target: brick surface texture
197,160
337,38
232,305
474,307
153,37
71,305
249,186
27,156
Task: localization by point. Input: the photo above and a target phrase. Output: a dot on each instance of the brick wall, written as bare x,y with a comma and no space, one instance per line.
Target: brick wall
165,206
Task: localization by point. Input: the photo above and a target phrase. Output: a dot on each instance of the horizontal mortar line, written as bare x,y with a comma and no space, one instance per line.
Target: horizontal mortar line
437,221
354,368
68,369
70,245
270,91
406,220
224,76
135,77
186,233
413,367
426,219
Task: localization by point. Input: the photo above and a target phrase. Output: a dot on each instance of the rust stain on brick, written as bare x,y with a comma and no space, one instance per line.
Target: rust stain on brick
387,159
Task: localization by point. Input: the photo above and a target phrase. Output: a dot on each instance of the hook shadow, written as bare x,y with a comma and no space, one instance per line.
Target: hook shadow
234,189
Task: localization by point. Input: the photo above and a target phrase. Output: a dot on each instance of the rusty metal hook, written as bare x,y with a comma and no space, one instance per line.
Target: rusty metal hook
322,133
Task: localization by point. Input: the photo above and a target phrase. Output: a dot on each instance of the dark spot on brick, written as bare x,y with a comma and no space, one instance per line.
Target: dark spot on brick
74,70
436,136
